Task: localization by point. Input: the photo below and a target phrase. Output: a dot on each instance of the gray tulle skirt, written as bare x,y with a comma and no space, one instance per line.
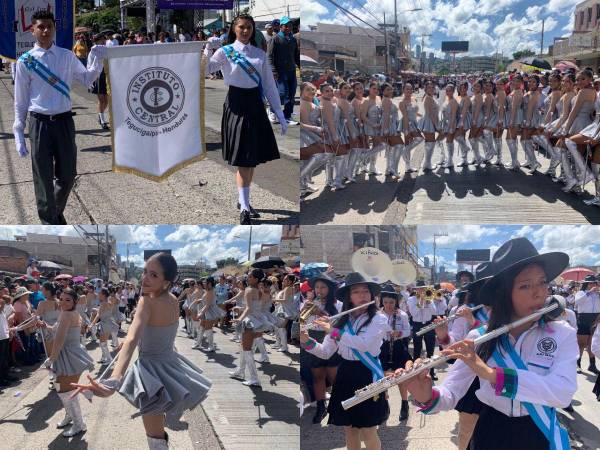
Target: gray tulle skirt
169,384
466,123
213,312
579,124
592,130
413,126
108,326
426,125
258,322
73,359
285,311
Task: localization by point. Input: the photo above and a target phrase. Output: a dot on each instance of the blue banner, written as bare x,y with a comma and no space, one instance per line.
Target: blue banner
15,23
194,4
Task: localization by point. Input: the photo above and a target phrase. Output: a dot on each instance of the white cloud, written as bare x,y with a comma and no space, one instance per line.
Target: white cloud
312,12
555,6
457,234
185,233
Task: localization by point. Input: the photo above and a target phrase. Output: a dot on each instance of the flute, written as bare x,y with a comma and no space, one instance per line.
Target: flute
555,306
311,325
433,326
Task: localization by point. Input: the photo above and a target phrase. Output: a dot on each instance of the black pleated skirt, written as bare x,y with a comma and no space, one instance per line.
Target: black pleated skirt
470,403
246,133
353,375
496,431
99,86
399,357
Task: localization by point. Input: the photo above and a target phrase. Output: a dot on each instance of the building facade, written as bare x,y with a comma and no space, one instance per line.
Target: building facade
582,47
335,245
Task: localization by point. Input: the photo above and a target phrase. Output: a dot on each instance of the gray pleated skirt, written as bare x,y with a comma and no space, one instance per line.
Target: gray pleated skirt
168,384
426,125
213,312
257,322
73,358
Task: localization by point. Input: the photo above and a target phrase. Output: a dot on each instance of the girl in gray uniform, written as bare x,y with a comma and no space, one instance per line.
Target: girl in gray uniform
285,310
341,117
210,313
409,125
463,125
363,140
449,113
81,309
476,131
48,311
161,384
553,109
355,130
532,120
266,301
68,360
371,116
515,119
312,149
253,324
502,117
331,128
564,109
579,118
490,120
105,318
391,130
429,125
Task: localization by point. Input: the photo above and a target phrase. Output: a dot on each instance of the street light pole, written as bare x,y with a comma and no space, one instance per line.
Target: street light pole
386,45
250,243
542,44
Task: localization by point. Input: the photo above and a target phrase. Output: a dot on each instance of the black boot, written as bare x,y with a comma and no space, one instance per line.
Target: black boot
569,408
321,411
592,366
404,410
579,362
432,373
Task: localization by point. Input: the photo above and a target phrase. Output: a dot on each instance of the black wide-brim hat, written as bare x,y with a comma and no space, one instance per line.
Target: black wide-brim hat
590,279
483,273
513,256
330,282
465,272
354,278
387,290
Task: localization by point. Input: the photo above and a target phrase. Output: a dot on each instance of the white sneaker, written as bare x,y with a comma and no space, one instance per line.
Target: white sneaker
272,118
291,123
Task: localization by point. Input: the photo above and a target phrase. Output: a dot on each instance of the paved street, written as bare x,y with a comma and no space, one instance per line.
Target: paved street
101,196
233,416
440,430
466,195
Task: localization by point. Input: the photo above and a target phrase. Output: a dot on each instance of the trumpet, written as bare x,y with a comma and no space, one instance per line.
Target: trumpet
311,325
555,307
426,295
444,321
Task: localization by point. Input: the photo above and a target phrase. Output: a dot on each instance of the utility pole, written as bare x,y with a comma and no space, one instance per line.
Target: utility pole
99,254
150,16
542,44
387,51
127,264
250,243
107,255
434,268
396,39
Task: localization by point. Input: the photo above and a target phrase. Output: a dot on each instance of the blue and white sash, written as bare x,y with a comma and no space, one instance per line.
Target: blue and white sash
543,416
481,314
373,363
236,57
45,74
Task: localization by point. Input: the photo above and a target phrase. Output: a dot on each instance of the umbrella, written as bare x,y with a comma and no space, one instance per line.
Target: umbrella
576,273
308,59
268,262
79,279
537,62
447,286
82,29
48,265
312,270
564,65
93,280
63,276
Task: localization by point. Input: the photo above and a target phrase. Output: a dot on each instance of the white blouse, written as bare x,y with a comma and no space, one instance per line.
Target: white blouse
587,302
234,75
368,339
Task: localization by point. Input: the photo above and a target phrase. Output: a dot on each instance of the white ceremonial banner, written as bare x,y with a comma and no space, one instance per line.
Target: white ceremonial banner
157,107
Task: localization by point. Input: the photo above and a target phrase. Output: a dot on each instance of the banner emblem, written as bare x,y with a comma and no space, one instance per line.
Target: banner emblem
155,96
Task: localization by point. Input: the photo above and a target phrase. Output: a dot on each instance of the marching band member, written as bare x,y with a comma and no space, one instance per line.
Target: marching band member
394,352
68,360
322,370
210,313
391,131
449,113
464,122
246,132
564,109
429,125
587,305
336,136
532,119
285,310
253,324
514,114
266,302
553,109
596,351
313,152
490,121
48,310
161,384
500,100
524,375
371,115
106,320
357,337
348,134
422,312
409,125
476,131
363,140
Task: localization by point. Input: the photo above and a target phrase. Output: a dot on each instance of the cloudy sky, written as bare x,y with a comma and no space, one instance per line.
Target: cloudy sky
188,243
488,25
580,242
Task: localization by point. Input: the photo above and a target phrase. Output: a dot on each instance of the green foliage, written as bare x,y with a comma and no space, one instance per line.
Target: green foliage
226,262
523,54
107,18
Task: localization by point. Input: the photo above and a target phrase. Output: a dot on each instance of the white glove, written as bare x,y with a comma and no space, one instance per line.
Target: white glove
22,149
47,364
20,142
282,121
98,51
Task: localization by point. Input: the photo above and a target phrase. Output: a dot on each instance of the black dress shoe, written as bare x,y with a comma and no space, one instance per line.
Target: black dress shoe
245,218
61,219
253,213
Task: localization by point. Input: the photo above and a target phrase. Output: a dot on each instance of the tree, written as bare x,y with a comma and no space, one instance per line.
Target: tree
226,262
523,54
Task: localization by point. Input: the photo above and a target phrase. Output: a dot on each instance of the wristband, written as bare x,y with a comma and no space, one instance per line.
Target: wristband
336,334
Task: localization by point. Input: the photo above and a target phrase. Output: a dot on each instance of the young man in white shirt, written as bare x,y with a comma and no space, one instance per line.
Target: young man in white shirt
43,79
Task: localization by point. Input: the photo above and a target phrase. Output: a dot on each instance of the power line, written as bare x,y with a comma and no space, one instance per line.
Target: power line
354,15
377,20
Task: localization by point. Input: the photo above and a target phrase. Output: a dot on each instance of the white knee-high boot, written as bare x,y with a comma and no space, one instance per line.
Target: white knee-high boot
464,150
310,166
105,353
596,200
114,338
407,151
329,167
210,340
397,154
241,371
388,160
262,348
429,148
352,163
199,336
450,155
283,338
512,148
542,141
532,162
252,372
584,175
489,150
157,444
475,147
372,160
570,179
340,170
74,411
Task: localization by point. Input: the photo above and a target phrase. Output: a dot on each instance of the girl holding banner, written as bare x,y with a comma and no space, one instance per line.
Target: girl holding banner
246,133
357,337
525,375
